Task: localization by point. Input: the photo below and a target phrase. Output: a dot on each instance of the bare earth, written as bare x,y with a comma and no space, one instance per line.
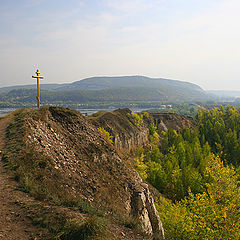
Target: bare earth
14,224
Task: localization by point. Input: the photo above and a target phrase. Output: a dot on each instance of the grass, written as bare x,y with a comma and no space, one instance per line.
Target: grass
131,222
31,170
65,224
37,175
91,227
81,205
97,115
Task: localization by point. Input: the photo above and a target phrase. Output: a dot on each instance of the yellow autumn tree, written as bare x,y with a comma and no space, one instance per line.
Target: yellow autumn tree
105,134
213,214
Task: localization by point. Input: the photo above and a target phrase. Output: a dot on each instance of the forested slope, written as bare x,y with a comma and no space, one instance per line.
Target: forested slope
198,169
192,163
106,90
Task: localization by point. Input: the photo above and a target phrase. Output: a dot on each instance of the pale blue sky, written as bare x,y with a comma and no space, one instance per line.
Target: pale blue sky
189,40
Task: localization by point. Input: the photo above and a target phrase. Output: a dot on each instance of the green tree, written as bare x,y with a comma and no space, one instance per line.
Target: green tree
213,214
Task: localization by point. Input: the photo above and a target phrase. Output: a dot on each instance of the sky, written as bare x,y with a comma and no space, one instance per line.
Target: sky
190,40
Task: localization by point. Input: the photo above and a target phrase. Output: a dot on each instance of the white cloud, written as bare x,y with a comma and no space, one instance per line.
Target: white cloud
130,7
203,48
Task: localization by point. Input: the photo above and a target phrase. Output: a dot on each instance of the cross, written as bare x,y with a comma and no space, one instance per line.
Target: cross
38,88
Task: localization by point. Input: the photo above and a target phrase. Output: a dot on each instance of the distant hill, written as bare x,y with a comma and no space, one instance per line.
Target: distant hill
31,86
225,93
107,89
100,83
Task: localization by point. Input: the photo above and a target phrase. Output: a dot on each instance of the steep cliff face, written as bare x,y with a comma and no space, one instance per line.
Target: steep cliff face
165,121
127,135
65,158
62,157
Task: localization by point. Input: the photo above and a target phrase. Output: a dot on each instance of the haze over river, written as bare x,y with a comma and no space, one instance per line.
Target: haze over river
86,111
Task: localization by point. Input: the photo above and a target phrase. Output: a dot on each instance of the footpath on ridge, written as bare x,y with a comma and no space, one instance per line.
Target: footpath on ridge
14,222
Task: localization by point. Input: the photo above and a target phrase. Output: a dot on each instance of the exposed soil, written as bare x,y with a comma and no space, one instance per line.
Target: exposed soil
18,209
14,223
67,160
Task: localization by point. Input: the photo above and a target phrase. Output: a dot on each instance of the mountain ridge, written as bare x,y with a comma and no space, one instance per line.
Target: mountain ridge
108,90
92,83
90,80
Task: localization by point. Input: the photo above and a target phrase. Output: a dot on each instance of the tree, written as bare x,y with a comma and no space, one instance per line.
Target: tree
213,214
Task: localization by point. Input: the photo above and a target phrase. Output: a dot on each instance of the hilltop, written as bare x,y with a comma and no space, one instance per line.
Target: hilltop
106,90
100,83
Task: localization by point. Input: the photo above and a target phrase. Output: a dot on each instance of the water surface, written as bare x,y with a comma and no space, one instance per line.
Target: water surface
85,111
4,111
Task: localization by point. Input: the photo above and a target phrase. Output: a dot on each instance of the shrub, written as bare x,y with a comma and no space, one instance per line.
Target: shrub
137,119
105,134
92,227
213,214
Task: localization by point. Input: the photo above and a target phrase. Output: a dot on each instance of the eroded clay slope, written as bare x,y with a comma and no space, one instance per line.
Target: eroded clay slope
127,135
64,158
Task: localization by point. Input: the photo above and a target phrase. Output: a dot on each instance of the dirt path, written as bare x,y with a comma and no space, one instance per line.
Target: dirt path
14,224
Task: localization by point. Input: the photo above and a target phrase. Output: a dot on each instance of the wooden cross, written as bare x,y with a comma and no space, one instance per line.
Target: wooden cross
38,88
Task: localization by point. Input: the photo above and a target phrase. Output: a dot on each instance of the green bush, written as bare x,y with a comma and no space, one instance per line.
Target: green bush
137,119
92,228
105,134
213,214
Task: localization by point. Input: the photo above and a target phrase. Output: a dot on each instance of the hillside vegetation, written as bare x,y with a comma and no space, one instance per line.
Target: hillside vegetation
86,164
198,169
62,159
100,83
106,90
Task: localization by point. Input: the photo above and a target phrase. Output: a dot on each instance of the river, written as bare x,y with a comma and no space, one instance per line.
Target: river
87,111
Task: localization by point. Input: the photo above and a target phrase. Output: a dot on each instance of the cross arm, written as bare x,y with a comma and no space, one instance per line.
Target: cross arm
37,77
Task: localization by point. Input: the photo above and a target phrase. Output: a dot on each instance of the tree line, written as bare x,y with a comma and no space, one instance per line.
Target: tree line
197,171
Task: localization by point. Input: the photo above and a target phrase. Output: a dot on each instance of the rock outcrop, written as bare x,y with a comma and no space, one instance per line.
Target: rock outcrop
144,209
165,121
126,134
70,160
